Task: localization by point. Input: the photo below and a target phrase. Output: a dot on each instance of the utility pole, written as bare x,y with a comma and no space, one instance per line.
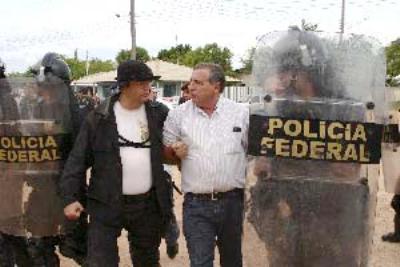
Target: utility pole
176,44
342,17
133,30
87,63
342,21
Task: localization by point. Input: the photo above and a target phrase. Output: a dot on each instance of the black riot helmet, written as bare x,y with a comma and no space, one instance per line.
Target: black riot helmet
53,64
299,51
2,69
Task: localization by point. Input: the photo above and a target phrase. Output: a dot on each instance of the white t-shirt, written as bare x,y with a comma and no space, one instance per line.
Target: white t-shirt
136,162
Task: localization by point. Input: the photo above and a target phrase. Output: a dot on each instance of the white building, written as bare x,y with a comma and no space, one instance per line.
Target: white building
173,76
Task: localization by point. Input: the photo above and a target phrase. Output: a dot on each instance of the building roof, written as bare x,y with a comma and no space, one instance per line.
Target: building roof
168,72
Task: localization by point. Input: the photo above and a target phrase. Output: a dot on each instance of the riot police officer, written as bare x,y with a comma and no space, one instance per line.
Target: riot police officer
394,237
52,65
2,69
73,240
6,254
308,210
47,108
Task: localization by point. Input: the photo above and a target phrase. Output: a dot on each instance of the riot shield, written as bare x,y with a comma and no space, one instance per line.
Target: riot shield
35,137
314,149
391,147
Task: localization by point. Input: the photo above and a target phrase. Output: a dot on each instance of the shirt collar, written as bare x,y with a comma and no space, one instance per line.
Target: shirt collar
217,109
219,105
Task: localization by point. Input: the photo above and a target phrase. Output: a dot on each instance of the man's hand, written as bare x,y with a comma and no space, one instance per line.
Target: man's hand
180,149
73,211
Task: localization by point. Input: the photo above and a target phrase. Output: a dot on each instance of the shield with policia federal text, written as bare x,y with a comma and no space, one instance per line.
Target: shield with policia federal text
391,146
35,136
314,147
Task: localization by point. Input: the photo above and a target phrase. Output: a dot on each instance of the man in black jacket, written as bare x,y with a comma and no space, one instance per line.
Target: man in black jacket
121,140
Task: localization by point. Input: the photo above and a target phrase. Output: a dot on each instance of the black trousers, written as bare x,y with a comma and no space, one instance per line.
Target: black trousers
142,219
73,243
6,254
30,252
396,203
396,206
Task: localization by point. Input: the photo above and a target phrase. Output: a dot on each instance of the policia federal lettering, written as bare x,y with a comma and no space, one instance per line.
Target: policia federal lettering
20,149
315,139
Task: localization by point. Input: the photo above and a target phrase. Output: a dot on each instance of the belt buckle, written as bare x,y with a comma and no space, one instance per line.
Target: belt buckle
214,196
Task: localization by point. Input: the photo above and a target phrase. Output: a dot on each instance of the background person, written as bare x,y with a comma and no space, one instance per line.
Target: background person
185,93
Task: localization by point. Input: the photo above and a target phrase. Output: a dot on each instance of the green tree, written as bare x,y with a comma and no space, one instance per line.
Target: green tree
393,62
78,67
174,54
96,65
210,53
247,61
28,73
125,54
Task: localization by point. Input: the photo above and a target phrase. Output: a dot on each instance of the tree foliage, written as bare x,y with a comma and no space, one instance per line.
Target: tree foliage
247,61
97,65
174,54
78,67
393,63
209,53
125,54
27,73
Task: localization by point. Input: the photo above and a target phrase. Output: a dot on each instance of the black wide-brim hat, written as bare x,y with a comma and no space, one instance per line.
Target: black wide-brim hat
135,70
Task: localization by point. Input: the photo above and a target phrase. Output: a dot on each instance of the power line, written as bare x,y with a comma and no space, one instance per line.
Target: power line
267,14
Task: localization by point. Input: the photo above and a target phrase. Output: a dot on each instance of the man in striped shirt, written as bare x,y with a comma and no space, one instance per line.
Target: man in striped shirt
209,134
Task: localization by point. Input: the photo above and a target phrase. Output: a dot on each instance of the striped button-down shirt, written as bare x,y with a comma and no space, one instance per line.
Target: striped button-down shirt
216,160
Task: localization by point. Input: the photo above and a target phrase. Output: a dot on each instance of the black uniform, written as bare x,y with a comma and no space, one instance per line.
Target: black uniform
40,251
9,111
302,209
394,236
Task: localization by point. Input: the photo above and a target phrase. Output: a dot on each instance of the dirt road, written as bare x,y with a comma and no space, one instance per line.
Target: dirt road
383,254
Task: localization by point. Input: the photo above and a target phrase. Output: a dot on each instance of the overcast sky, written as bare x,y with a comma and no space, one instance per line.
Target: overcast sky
30,28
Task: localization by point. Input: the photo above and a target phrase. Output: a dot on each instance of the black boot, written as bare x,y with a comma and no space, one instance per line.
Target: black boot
6,255
395,236
74,243
42,251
